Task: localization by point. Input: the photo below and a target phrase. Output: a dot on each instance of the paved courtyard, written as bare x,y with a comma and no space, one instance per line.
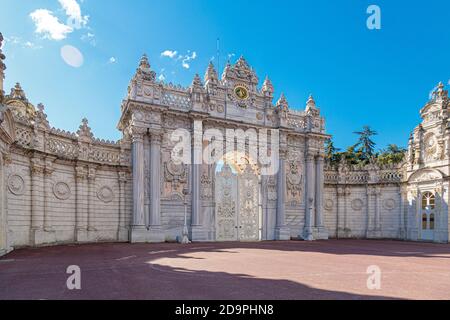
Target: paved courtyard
267,270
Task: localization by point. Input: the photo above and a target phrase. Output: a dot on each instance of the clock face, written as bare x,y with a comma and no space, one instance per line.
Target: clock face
241,93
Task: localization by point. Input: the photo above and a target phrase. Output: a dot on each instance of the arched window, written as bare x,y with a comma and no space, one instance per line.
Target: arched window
432,221
428,201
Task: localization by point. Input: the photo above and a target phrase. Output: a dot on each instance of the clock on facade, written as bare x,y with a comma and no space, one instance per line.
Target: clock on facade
241,92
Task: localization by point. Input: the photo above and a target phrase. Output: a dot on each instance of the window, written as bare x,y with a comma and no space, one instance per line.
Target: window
424,221
428,201
432,221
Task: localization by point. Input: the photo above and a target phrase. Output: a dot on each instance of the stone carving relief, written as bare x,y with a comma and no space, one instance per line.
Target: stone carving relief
176,177
61,190
389,204
271,188
105,194
206,187
294,179
431,147
357,204
328,204
16,185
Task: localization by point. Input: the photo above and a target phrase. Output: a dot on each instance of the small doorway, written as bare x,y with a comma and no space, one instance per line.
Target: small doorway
428,216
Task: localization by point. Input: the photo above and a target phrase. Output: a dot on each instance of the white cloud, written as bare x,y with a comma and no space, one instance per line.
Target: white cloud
169,53
48,25
73,13
185,62
17,41
90,38
112,60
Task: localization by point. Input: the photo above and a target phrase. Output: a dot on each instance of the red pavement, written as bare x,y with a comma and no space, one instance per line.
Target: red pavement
268,270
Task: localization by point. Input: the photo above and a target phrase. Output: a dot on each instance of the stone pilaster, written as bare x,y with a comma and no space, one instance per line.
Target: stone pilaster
310,198
81,188
3,213
123,230
198,232
38,234
321,232
374,216
48,171
155,228
343,230
90,199
282,232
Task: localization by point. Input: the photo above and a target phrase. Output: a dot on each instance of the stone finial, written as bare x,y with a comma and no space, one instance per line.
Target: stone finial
18,93
282,103
144,71
197,82
211,74
41,117
85,131
440,93
267,87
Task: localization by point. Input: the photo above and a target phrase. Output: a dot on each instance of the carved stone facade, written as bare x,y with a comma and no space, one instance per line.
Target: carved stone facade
61,187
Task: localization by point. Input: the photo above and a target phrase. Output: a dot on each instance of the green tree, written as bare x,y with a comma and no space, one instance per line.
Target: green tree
393,154
365,145
331,152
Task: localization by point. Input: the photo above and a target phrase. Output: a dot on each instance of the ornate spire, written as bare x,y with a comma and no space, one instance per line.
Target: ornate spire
440,94
211,74
144,69
267,87
85,132
41,117
197,82
311,107
18,93
282,103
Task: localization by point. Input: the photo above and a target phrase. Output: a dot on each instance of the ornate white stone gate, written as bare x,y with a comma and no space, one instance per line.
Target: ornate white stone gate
237,205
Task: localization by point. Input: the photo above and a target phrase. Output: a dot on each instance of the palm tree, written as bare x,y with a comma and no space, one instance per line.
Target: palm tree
365,143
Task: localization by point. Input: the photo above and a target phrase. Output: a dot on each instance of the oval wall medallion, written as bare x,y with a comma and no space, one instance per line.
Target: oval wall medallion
389,204
105,194
328,204
61,190
16,185
357,204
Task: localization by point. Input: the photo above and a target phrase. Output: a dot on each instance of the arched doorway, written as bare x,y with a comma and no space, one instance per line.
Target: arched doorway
238,212
428,216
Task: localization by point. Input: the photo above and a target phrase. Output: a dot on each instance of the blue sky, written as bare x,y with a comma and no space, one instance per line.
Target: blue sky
358,76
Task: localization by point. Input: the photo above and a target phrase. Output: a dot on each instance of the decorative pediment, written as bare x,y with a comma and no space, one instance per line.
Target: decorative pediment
426,175
240,72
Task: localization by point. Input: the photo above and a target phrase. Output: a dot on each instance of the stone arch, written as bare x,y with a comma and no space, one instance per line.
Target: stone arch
426,175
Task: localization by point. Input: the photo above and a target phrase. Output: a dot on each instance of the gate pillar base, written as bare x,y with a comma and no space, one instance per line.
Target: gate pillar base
199,234
282,233
142,235
321,233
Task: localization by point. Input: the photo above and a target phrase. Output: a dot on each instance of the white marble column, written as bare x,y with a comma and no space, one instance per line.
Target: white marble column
282,232
90,197
138,180
310,198
319,191
322,232
155,181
